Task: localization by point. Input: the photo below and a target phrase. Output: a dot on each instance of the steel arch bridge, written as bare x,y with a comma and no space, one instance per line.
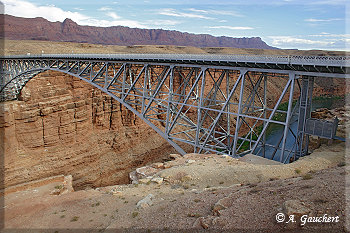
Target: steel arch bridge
222,104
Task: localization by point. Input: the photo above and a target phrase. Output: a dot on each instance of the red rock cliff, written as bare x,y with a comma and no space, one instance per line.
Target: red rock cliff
17,28
62,125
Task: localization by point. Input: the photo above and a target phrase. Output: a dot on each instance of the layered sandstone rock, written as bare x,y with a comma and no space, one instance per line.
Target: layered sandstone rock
17,28
62,125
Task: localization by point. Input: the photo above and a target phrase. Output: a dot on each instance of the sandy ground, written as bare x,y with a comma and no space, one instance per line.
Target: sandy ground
253,193
38,47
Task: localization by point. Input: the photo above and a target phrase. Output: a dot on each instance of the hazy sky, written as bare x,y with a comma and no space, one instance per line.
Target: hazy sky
301,24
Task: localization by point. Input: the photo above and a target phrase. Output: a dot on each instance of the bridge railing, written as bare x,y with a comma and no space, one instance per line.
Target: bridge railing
275,59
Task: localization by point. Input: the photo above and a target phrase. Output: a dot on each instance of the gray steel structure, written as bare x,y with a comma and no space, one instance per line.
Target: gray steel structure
216,103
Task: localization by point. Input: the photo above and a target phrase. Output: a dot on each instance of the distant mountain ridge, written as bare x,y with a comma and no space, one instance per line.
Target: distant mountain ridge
17,28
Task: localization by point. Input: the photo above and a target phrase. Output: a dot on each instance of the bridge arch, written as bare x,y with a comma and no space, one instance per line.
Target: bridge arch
216,106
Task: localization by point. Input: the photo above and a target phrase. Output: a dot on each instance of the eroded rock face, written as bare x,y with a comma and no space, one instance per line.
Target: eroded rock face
62,125
18,28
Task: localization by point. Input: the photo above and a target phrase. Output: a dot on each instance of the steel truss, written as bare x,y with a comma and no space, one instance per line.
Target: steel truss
226,110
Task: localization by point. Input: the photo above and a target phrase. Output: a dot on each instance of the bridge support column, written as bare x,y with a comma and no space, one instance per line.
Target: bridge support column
305,101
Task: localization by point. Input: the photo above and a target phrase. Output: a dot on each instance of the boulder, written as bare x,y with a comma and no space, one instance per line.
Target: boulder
158,165
221,205
175,156
145,202
295,207
145,171
157,180
189,161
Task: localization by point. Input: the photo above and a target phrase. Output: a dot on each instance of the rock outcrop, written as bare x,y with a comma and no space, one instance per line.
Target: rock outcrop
62,125
17,28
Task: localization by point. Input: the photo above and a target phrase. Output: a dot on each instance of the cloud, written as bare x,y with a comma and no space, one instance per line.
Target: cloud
52,13
49,12
329,35
216,12
105,8
163,22
323,40
113,15
232,28
322,20
173,12
289,40
328,2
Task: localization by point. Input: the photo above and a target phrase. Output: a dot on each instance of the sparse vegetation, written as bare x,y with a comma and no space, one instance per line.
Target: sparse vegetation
95,204
74,219
196,200
59,187
62,216
297,171
306,187
341,164
307,176
320,200
255,190
193,215
134,214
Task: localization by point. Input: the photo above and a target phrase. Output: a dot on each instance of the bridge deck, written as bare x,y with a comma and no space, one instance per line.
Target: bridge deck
330,66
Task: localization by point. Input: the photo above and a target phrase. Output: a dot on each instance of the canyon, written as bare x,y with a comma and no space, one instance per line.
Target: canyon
62,125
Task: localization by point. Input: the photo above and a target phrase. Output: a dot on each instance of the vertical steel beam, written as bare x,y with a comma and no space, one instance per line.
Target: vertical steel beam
145,90
286,126
199,109
265,106
239,111
124,80
304,114
170,99
106,76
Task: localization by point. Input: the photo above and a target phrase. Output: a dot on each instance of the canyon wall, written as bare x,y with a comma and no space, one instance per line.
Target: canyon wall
62,125
17,28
